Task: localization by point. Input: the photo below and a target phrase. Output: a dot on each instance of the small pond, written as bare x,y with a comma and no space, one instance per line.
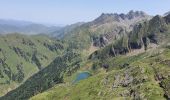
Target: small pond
81,76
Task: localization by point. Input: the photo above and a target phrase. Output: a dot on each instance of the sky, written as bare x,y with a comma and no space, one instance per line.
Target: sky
63,12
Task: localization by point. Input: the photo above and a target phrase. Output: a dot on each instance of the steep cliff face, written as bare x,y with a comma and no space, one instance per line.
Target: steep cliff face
144,35
152,31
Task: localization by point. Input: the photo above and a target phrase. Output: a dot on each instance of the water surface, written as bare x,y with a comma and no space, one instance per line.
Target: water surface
81,76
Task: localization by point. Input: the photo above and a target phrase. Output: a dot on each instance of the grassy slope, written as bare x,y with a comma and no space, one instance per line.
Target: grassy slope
10,57
47,77
100,85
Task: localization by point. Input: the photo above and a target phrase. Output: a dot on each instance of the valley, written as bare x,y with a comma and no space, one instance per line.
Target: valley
120,56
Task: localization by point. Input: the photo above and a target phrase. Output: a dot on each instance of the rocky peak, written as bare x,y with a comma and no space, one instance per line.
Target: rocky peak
106,17
110,17
132,14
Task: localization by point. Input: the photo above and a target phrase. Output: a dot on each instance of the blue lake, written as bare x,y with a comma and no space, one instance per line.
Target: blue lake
81,76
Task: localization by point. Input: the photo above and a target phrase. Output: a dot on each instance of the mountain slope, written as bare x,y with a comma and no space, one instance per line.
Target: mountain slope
144,75
46,78
135,77
21,56
104,29
143,36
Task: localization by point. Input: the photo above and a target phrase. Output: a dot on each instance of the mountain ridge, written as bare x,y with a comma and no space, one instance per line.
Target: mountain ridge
105,31
25,27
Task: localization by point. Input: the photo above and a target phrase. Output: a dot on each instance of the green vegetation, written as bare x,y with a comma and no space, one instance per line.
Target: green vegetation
128,65
21,56
136,80
116,75
47,77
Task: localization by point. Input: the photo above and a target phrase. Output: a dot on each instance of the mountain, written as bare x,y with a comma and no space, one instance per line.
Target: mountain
135,67
61,32
24,27
126,56
144,35
103,30
83,33
22,56
14,22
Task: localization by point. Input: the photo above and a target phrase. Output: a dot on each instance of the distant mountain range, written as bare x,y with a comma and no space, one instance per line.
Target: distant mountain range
24,27
104,23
